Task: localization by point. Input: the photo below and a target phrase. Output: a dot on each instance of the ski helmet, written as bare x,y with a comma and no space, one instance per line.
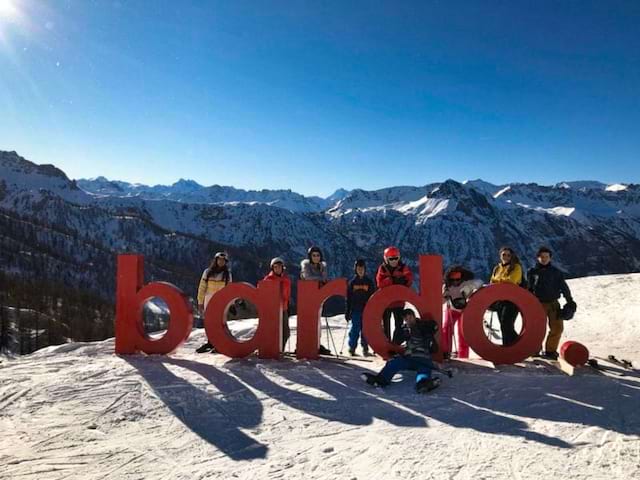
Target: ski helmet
359,263
276,260
391,252
312,250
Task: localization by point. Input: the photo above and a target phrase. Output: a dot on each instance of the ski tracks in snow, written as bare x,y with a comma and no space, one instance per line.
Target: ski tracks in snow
95,416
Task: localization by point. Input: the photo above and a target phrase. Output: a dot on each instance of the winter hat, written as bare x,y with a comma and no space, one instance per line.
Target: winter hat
408,311
455,275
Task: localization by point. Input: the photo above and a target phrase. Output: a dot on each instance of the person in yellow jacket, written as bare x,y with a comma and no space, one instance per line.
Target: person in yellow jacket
508,270
213,279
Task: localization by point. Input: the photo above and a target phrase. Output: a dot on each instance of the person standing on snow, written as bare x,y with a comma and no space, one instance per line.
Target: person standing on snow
547,283
458,286
278,274
393,272
359,289
508,270
214,278
421,343
315,268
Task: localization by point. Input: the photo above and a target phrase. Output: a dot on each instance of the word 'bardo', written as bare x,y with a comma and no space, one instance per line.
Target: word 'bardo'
132,294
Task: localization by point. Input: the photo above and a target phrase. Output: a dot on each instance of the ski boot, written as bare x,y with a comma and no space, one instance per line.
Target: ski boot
374,380
428,384
207,347
324,350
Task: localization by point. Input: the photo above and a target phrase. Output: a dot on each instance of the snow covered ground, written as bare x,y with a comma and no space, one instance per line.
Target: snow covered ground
78,411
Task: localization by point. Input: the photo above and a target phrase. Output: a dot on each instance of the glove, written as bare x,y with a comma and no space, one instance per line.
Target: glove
399,281
347,316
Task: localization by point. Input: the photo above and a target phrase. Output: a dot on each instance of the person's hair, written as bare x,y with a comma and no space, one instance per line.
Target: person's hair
514,258
408,311
315,249
214,269
542,250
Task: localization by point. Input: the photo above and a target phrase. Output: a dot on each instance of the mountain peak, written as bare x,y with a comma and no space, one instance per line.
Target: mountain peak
338,195
186,184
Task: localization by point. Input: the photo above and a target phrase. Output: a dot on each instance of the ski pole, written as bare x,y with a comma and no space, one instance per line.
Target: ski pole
344,337
330,335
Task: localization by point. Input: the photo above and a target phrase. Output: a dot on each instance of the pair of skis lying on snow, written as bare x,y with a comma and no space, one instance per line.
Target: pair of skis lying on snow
611,359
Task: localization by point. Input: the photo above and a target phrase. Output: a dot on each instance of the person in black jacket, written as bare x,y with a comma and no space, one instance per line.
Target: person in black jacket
360,288
421,343
547,283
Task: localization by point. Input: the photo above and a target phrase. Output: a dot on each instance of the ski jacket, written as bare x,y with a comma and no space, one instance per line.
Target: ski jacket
309,271
456,295
400,275
210,284
501,274
547,283
358,292
285,292
420,338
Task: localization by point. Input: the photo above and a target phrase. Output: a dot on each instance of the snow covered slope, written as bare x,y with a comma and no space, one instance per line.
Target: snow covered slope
78,411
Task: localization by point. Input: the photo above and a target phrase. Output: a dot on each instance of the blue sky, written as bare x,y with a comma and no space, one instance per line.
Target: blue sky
314,96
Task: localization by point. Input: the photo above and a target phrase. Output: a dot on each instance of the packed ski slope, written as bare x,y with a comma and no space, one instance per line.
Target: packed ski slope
77,411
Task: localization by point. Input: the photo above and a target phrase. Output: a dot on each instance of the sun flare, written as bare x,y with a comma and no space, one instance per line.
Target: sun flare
7,9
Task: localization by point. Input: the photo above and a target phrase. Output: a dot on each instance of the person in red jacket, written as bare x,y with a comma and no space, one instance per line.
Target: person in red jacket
277,274
393,272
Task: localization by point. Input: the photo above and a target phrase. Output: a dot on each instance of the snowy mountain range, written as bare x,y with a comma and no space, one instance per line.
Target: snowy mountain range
72,230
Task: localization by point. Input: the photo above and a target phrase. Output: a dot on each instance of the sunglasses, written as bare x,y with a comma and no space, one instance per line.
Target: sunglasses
394,259
505,254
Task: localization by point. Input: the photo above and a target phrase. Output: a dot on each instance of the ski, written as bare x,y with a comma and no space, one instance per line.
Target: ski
339,358
622,362
605,369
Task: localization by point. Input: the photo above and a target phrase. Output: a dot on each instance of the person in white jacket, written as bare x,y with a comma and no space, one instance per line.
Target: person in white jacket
458,286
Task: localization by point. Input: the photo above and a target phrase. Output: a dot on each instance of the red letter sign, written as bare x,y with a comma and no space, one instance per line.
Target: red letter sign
130,299
268,336
310,301
533,323
428,303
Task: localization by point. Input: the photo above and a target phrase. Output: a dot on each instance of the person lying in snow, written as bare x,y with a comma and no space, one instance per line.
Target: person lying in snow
421,343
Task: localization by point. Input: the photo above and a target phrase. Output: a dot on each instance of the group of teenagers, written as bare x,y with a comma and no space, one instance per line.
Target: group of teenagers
544,280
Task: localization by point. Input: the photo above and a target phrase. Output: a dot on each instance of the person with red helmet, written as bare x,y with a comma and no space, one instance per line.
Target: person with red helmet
393,271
